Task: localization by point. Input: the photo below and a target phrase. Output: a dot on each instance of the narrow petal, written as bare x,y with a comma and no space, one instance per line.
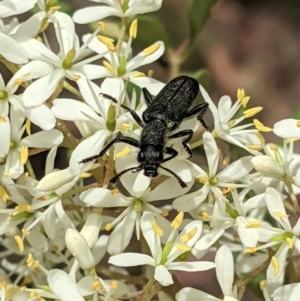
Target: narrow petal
47,139
94,13
163,276
287,128
39,91
122,234
131,259
62,286
12,50
192,294
225,269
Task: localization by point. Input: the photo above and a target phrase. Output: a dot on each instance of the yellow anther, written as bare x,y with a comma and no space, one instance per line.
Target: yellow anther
114,191
157,229
124,152
252,112
225,191
226,161
23,208
108,226
165,213
244,101
151,49
254,224
54,8
114,284
138,74
281,215
28,127
133,28
112,48
109,67
96,285
188,236
124,127
203,214
3,119
298,124
20,243
275,264
3,194
251,250
85,175
105,40
150,73
24,154
3,285
240,93
18,81
203,180
54,249
30,260
76,77
260,127
101,24
262,284
23,288
256,147
25,232
289,140
218,151
273,147
177,220
289,242
183,248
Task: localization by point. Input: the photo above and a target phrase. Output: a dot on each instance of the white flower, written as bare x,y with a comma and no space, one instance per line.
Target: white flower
135,206
213,183
226,128
288,292
115,8
225,275
163,259
123,65
68,63
18,146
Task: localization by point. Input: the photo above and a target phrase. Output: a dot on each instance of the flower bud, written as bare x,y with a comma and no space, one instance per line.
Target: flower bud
91,228
268,167
78,247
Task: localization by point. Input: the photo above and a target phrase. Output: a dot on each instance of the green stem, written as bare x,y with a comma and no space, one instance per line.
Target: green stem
121,35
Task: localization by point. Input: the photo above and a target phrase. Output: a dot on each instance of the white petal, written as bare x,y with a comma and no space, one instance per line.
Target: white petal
236,170
225,269
92,71
46,139
62,286
142,7
287,128
89,147
94,13
12,50
5,131
80,111
41,116
163,276
131,259
194,266
192,294
39,91
122,234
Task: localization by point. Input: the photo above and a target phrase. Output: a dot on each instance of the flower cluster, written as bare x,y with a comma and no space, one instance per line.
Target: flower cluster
64,225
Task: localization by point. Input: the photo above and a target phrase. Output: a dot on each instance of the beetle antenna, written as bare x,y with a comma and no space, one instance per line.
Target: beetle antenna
117,176
181,183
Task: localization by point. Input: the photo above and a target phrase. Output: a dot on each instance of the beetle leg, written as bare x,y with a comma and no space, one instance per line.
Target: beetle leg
134,115
184,133
127,140
147,96
170,151
200,111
